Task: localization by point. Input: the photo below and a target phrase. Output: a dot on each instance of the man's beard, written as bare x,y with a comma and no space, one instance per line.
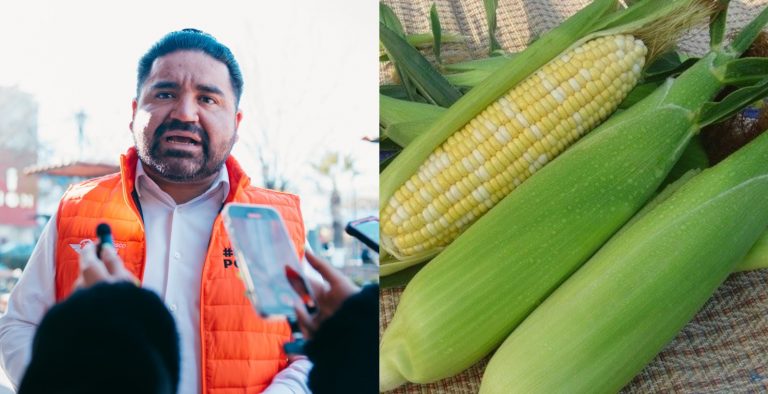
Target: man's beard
179,165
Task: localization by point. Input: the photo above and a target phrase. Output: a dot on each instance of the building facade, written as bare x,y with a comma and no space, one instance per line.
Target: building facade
18,149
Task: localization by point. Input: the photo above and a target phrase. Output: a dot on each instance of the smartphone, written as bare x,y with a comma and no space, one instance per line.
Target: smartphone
366,230
267,259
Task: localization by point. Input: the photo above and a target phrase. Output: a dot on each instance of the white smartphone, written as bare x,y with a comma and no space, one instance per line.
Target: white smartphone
267,259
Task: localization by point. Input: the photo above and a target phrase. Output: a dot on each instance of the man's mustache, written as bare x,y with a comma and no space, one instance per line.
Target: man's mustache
175,124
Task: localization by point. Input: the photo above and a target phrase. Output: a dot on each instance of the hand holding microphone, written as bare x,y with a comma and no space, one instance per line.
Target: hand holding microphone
104,232
100,262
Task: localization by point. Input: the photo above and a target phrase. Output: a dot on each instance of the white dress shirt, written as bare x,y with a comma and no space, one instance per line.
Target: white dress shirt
176,243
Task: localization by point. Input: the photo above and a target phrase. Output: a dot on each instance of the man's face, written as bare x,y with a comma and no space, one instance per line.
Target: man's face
185,119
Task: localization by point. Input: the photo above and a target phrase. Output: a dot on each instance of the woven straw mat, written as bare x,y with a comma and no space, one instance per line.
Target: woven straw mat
724,349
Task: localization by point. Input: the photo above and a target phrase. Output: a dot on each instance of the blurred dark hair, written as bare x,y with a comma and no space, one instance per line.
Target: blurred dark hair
191,40
110,338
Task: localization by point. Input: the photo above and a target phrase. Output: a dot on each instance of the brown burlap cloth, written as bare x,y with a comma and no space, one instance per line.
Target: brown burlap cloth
724,349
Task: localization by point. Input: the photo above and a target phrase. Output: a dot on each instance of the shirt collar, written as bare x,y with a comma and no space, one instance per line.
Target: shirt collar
221,181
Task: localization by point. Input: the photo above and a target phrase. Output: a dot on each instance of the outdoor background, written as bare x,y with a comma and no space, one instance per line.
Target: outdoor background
67,77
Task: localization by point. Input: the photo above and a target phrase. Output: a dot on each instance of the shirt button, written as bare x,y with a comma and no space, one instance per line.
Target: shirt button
173,308
176,255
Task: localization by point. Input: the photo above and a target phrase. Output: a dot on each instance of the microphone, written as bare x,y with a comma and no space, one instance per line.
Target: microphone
104,232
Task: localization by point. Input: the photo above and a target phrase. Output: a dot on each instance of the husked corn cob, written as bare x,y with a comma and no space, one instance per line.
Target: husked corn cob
509,141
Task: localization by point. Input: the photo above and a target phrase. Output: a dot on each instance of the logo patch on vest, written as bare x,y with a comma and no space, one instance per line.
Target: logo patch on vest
229,260
78,247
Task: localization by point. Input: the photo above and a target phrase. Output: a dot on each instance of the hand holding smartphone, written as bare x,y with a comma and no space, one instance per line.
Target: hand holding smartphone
267,259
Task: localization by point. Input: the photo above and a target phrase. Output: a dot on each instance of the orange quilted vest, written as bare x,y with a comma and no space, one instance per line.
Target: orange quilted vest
239,349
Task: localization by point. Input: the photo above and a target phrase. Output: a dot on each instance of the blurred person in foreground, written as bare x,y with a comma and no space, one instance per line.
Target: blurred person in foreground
163,208
110,336
114,337
343,335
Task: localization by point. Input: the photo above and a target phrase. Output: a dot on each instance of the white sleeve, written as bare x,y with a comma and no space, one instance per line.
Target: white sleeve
292,379
29,301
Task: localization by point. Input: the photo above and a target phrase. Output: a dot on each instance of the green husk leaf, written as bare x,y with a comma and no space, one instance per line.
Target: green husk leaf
434,20
401,278
659,76
668,65
385,162
664,193
747,35
474,72
423,40
490,17
387,145
393,91
746,70
401,120
694,157
717,25
403,133
391,266
390,19
664,63
715,112
428,81
392,111
410,90
757,258
489,64
388,150
426,39
638,93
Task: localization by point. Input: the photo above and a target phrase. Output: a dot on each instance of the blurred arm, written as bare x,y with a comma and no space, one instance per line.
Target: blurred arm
292,379
29,301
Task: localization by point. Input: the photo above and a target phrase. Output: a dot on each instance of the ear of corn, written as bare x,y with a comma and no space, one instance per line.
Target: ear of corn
472,295
471,103
609,319
511,125
757,258
508,142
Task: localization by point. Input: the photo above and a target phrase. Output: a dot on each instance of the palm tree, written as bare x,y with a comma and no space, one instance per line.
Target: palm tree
332,166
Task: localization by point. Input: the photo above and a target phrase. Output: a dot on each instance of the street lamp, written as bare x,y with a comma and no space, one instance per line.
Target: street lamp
80,119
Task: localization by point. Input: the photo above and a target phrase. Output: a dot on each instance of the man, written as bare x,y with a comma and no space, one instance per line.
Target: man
163,208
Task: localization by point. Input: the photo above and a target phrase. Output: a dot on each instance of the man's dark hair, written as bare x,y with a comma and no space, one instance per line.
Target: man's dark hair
191,40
